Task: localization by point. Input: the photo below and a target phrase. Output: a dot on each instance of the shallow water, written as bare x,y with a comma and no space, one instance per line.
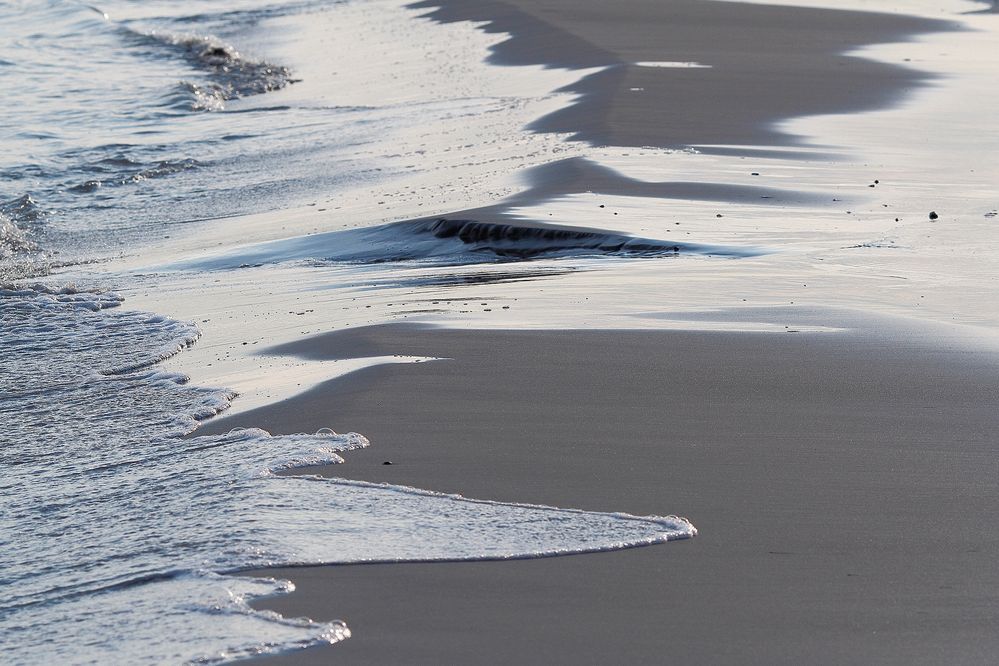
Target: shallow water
124,124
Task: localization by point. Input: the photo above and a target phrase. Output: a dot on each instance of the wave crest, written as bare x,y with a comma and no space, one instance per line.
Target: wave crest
447,242
230,74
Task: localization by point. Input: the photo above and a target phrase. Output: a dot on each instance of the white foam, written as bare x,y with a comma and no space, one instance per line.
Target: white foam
210,611
673,65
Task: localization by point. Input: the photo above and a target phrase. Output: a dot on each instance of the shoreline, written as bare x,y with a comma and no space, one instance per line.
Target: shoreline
839,481
542,253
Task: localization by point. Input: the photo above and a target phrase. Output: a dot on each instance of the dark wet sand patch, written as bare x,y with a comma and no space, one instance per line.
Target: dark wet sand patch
768,63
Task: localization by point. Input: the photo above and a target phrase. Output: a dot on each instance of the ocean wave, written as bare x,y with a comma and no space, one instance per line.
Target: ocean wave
131,172
446,241
523,242
22,209
23,251
230,74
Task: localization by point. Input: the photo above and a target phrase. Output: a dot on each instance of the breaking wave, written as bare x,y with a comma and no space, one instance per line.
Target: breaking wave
125,171
443,241
230,75
22,209
13,239
19,252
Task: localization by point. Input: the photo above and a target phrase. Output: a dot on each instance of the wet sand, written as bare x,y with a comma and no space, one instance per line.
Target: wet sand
767,63
842,483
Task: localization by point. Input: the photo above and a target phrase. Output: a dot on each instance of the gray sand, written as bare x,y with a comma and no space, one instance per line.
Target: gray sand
769,63
843,485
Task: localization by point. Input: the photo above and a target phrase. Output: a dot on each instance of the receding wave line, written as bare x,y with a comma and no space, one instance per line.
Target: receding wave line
445,241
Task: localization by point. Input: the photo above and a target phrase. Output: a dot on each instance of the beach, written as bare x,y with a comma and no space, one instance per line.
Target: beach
492,331
840,479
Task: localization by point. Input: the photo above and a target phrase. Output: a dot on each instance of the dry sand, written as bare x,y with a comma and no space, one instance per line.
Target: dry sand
843,485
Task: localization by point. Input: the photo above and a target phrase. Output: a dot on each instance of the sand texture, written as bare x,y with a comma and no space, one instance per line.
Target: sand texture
842,483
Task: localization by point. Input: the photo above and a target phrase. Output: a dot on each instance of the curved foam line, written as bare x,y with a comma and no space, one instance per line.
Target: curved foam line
674,528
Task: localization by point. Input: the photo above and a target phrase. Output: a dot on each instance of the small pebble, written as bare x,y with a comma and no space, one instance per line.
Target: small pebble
933,215
387,462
